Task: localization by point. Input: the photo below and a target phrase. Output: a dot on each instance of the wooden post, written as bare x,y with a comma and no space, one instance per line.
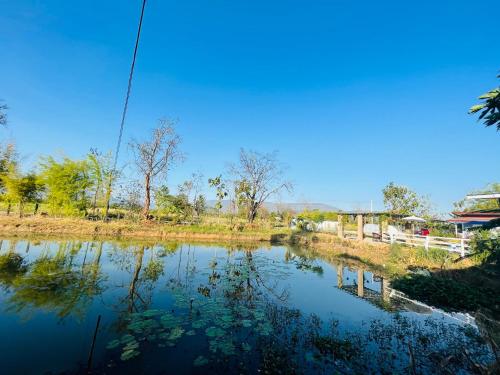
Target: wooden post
361,283
384,289
340,275
340,227
360,226
462,247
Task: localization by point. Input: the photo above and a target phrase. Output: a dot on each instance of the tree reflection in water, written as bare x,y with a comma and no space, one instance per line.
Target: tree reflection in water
55,283
230,313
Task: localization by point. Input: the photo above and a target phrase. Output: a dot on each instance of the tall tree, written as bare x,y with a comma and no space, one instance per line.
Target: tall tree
68,184
102,175
3,114
21,188
401,200
156,156
259,176
480,204
489,108
8,161
220,191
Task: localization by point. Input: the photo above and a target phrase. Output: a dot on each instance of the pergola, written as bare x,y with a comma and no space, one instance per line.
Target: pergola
360,215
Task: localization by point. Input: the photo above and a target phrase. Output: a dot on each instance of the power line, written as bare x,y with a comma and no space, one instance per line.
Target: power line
127,97
129,87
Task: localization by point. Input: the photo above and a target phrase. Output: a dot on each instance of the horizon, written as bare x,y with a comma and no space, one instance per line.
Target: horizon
351,97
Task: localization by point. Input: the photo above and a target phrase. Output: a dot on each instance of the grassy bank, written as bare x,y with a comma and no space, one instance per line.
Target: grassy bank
390,260
138,230
442,279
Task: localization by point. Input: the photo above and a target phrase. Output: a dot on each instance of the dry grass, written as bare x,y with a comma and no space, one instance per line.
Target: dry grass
376,255
129,229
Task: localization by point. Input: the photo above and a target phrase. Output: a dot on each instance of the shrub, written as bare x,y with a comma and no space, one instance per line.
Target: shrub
486,247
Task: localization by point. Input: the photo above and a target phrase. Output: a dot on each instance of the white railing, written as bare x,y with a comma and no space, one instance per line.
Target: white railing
456,245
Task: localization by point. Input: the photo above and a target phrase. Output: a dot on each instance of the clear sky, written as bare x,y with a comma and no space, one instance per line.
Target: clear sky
353,94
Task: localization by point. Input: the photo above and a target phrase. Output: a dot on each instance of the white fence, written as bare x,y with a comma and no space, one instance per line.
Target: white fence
456,245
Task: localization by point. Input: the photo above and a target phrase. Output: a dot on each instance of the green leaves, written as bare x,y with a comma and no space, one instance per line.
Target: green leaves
490,108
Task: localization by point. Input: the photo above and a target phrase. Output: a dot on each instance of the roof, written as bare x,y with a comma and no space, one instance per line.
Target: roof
484,196
482,213
468,219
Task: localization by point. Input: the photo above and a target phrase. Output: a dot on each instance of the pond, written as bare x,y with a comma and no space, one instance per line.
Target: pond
181,308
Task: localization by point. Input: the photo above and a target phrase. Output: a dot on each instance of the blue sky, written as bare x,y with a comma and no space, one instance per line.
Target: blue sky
352,94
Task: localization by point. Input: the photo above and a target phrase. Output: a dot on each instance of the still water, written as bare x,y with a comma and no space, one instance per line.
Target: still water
180,308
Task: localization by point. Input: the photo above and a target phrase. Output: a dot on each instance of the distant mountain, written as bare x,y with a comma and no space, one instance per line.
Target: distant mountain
274,207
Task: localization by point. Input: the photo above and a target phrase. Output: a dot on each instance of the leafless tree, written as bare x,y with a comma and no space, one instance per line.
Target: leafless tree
259,176
3,114
156,156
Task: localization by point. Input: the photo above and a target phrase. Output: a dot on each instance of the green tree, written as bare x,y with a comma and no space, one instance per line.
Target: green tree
21,188
401,200
68,184
102,175
176,206
489,108
8,162
480,204
200,205
220,191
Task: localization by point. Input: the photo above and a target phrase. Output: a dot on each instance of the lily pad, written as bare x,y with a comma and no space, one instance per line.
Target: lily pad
113,344
246,323
214,331
129,354
176,333
200,361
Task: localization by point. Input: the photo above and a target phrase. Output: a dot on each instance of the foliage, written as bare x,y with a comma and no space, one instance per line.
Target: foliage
486,247
220,190
480,204
21,188
176,206
68,182
102,175
318,216
200,205
489,108
401,200
8,160
439,256
444,292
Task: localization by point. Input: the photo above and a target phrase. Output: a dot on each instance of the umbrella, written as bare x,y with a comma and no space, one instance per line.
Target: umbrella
414,218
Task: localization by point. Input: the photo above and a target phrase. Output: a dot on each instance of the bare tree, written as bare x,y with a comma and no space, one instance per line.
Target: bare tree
3,114
155,156
258,177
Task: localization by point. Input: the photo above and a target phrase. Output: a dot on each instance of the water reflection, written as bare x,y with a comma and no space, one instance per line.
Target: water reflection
185,308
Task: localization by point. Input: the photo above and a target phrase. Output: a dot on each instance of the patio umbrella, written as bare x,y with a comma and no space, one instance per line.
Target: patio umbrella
414,219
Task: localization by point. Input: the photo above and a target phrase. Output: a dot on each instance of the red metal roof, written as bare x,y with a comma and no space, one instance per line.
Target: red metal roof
466,219
491,214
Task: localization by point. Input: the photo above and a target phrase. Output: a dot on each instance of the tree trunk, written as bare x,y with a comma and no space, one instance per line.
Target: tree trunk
252,212
132,289
108,198
147,198
8,209
94,203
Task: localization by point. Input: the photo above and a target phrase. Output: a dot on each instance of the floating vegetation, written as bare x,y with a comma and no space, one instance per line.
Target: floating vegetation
200,361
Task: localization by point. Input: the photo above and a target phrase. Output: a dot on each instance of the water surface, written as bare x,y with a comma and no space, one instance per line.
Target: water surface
179,308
